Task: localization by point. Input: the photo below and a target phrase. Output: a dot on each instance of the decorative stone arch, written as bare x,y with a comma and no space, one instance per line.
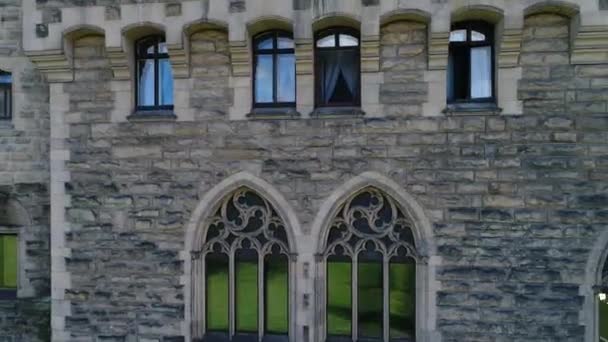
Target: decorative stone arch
426,284
196,231
487,13
416,15
266,23
336,19
588,316
15,219
202,25
565,8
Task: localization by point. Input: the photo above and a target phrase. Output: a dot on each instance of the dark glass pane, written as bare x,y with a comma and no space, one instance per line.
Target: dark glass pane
370,301
481,72
6,78
146,83
276,294
339,298
402,298
165,79
603,318
263,79
217,292
285,43
459,73
246,286
266,44
286,78
146,46
8,261
339,76
4,103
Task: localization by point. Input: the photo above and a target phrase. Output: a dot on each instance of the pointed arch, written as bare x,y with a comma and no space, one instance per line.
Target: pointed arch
199,223
596,262
422,227
210,201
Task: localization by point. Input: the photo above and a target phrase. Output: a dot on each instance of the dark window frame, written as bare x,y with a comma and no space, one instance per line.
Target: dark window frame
465,48
6,90
336,31
274,52
156,56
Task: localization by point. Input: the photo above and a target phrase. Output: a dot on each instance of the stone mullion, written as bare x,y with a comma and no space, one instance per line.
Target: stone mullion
355,297
385,299
231,295
261,287
199,297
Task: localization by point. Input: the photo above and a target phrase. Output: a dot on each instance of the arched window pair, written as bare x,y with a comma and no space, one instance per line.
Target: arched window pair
337,69
369,260
471,63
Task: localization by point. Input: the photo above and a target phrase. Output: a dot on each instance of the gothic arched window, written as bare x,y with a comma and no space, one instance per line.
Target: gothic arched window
275,70
244,274
370,259
602,306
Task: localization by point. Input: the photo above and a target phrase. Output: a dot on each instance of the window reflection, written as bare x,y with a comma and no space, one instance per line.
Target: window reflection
154,74
275,71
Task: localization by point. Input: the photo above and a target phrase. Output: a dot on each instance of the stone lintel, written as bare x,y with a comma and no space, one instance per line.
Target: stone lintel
439,44
510,48
119,63
53,64
591,45
370,54
304,56
180,61
239,53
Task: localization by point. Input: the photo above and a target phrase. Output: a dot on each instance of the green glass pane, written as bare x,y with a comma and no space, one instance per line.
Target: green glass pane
277,302
246,296
217,293
603,308
370,299
402,297
339,298
9,261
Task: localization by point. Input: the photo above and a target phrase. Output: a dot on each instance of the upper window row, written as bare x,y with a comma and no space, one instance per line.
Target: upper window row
337,61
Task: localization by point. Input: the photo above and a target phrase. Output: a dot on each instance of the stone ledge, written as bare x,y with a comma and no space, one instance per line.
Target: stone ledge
152,115
273,113
337,112
472,108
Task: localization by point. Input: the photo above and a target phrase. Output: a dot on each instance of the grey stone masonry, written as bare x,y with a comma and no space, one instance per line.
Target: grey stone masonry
510,203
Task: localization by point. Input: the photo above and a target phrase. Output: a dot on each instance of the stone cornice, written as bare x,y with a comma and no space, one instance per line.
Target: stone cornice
510,48
591,45
119,63
239,58
53,64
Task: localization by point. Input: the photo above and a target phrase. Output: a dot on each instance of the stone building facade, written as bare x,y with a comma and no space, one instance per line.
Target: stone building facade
507,204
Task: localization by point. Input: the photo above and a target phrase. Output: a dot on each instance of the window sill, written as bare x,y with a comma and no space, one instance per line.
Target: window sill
152,116
6,294
337,112
273,113
472,108
6,124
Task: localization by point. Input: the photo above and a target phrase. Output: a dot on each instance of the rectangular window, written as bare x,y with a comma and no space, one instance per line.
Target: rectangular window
402,300
370,304
276,295
217,293
8,261
247,295
5,95
339,298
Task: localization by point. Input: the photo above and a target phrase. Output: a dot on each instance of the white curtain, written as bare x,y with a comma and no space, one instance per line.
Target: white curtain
331,73
347,65
481,72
